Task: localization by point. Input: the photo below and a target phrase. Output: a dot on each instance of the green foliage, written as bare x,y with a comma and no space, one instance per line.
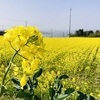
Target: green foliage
83,96
2,90
82,33
37,74
28,91
63,77
2,32
16,83
55,91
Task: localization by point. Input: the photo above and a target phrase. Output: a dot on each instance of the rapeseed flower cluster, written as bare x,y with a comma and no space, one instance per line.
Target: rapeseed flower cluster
28,41
47,80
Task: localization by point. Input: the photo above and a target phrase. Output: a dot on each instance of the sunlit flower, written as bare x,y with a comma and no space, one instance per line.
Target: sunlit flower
58,73
87,68
15,70
23,81
34,64
20,41
77,87
98,95
73,79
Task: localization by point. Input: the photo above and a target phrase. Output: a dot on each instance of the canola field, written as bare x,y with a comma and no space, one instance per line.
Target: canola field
79,58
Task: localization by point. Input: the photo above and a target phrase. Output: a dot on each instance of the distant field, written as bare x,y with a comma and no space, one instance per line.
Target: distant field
77,57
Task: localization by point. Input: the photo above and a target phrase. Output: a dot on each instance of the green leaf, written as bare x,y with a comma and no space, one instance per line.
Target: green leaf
2,90
36,97
69,91
33,39
29,84
16,83
63,77
23,94
25,87
32,84
35,83
62,96
81,96
37,74
59,87
66,94
90,98
51,93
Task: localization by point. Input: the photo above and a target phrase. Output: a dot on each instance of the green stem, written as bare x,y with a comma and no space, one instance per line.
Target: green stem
7,81
4,77
18,53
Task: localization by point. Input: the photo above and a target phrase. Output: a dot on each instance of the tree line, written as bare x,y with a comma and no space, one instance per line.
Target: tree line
2,32
82,33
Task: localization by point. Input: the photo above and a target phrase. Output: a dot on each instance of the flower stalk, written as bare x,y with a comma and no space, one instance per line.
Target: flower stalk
27,42
8,69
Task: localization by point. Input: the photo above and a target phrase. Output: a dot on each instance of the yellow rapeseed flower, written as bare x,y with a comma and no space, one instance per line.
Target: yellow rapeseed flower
98,95
29,41
91,94
20,30
58,73
20,41
21,35
2,66
87,68
23,81
33,48
34,64
49,77
26,54
73,79
16,70
9,37
77,88
24,64
29,71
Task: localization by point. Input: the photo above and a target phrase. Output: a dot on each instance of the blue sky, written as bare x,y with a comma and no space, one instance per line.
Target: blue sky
51,14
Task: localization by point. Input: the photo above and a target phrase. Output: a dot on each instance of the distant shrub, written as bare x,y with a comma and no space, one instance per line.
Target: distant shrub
2,32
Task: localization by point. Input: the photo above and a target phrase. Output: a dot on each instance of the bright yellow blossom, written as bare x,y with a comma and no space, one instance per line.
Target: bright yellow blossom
58,73
77,88
24,35
25,65
73,79
20,41
15,70
23,81
2,67
34,64
26,54
10,35
98,95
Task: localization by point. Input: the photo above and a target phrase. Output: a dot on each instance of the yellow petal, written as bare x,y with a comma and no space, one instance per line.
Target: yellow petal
23,81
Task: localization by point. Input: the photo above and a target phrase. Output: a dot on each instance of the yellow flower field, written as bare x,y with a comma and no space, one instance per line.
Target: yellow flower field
79,58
